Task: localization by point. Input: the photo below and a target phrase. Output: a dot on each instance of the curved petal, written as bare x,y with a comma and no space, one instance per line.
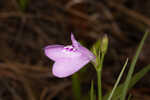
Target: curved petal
53,51
66,67
56,52
75,43
86,53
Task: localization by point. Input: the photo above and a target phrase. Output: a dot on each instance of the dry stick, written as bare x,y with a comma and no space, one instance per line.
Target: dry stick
115,28
27,88
15,4
10,68
12,90
57,89
22,79
86,18
40,71
130,13
116,31
20,30
44,93
11,14
26,15
36,72
39,31
6,73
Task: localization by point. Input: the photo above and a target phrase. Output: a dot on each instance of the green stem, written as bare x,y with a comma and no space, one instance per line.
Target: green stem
99,70
99,85
92,95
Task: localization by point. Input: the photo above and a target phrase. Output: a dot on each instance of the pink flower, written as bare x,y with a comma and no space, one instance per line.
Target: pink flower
68,59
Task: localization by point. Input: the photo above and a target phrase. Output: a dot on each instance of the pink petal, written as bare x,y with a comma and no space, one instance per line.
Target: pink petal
53,51
87,53
56,52
66,67
75,43
84,51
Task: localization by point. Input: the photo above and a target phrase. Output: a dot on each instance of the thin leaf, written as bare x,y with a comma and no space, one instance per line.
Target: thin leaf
132,67
118,80
139,75
92,96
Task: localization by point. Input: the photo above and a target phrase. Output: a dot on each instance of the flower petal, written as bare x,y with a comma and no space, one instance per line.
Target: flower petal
66,67
56,52
86,53
68,59
75,43
53,51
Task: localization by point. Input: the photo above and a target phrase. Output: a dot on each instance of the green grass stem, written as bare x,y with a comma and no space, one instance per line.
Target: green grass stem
118,80
132,67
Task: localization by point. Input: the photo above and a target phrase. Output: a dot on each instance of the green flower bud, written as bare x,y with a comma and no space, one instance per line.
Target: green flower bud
104,44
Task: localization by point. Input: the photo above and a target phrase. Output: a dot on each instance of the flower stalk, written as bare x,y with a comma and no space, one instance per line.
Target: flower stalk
100,49
99,77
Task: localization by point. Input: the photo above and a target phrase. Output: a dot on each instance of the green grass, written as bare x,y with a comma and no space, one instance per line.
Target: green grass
118,80
132,67
92,95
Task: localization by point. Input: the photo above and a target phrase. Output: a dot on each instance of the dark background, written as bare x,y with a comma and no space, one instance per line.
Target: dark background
25,29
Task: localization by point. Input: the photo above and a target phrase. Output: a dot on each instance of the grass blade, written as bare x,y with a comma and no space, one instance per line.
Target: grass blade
132,67
92,96
133,81
118,80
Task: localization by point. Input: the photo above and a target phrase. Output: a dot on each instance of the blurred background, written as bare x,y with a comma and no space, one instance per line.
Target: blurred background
27,26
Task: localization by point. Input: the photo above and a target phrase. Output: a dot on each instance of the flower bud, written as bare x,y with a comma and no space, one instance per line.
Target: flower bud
104,44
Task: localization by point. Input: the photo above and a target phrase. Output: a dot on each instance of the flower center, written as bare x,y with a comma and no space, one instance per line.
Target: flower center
70,51
69,48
